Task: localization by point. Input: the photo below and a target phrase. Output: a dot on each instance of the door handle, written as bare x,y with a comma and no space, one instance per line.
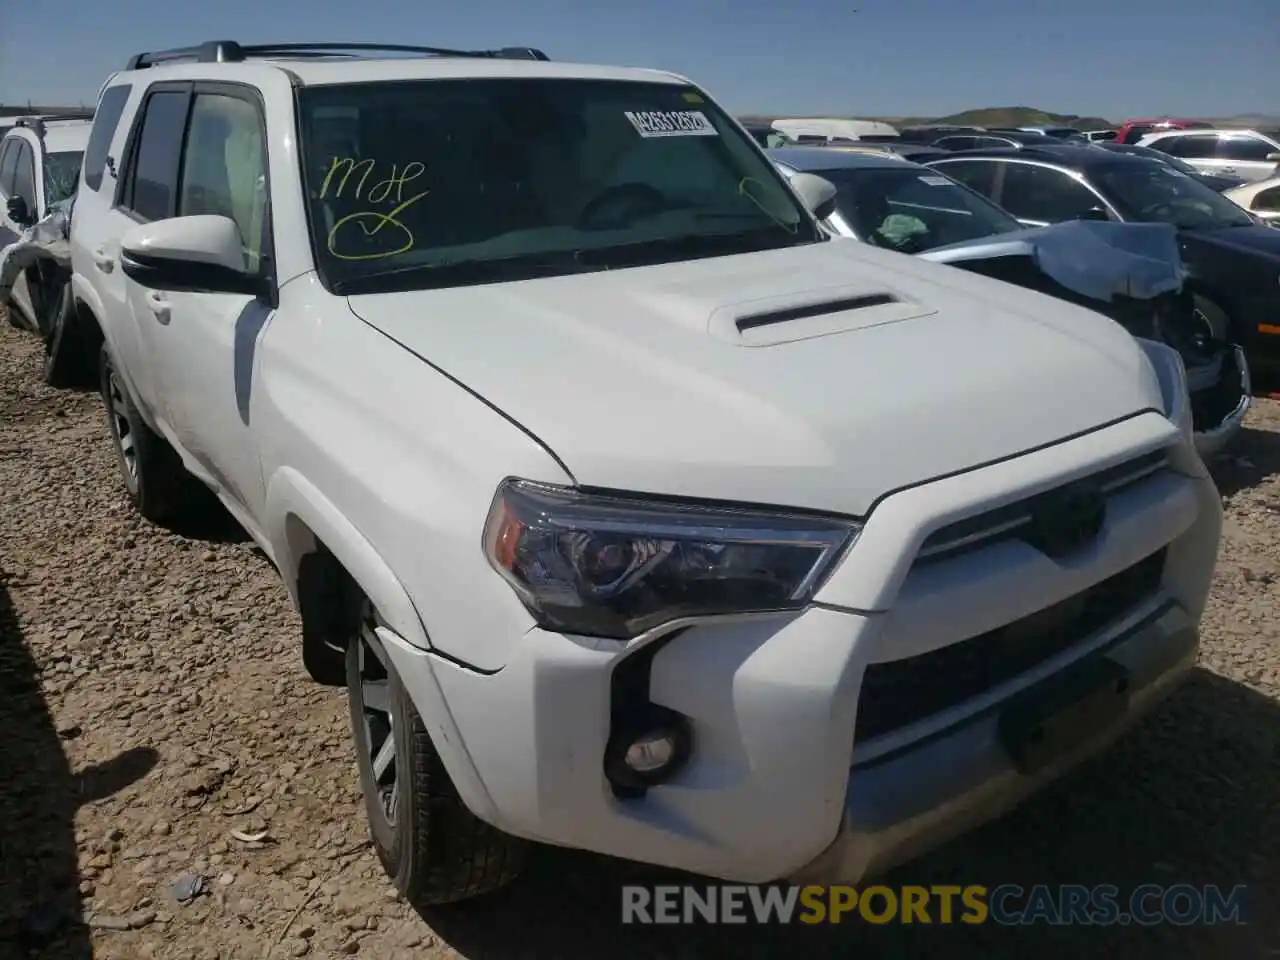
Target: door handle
103,260
1228,170
158,305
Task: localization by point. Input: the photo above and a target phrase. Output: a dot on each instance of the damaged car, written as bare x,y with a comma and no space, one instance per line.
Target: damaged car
1130,272
40,160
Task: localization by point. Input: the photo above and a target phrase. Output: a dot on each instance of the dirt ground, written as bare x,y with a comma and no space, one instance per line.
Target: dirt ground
152,701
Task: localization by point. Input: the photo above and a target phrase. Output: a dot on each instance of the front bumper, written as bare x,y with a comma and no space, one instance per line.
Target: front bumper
1220,402
774,700
901,805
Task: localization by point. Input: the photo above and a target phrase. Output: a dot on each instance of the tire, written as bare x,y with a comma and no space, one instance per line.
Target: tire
67,354
433,848
1212,317
158,485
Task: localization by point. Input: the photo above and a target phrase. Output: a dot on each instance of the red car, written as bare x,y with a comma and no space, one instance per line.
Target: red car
1131,131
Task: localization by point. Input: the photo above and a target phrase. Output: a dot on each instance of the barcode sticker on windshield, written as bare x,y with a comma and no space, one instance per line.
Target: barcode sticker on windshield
671,123
935,181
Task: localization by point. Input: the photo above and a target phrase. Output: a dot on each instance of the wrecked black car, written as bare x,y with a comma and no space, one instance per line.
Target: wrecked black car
1132,273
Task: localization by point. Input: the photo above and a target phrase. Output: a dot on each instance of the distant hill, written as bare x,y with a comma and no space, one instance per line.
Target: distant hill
1021,117
1031,117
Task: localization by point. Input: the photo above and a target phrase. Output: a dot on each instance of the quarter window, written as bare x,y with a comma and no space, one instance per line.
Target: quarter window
1244,148
224,169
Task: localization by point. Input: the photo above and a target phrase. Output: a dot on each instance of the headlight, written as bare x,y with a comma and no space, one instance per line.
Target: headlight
1172,375
612,566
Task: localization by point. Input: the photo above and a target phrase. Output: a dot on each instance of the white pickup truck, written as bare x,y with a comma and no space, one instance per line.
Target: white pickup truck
637,513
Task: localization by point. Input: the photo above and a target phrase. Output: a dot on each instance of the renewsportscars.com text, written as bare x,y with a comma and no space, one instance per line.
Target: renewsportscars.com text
1007,905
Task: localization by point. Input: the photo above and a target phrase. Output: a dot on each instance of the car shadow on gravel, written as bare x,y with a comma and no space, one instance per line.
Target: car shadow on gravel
1189,797
40,906
1254,457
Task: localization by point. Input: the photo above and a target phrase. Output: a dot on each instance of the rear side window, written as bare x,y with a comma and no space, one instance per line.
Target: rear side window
8,157
1190,147
24,176
974,174
151,182
105,120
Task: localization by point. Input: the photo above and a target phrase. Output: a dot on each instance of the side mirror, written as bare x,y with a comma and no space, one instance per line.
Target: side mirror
815,192
201,254
1094,213
19,212
1273,157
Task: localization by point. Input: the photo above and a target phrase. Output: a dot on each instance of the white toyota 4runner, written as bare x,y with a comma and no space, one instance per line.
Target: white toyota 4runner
636,513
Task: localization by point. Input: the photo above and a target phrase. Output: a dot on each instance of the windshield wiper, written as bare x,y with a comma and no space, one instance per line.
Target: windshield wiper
524,266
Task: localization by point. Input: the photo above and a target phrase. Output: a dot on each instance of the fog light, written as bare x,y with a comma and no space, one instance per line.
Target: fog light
648,752
651,751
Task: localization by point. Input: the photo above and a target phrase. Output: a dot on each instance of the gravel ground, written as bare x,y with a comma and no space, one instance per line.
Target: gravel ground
152,701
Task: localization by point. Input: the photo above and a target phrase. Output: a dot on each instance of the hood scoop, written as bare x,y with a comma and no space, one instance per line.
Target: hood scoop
814,313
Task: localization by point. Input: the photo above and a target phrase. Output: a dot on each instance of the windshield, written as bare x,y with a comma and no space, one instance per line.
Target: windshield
415,184
911,209
61,174
1152,192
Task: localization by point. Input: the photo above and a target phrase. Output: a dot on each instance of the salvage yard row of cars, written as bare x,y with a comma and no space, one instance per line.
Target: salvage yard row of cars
759,512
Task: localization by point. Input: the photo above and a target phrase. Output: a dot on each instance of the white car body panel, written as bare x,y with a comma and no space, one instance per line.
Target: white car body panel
381,426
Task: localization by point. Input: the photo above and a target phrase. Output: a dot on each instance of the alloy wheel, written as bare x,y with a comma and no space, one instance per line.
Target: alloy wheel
379,741
121,429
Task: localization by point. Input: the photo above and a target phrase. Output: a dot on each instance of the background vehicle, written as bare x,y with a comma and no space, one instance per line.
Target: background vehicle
1262,199
559,534
1099,136
832,128
1132,131
1215,181
907,207
39,167
929,133
767,136
1233,260
1058,133
1248,154
916,152
984,141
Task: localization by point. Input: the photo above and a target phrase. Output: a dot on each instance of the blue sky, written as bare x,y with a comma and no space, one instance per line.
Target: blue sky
1113,58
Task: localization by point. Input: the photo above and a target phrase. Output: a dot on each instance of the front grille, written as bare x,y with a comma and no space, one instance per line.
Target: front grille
1212,405
902,692
1015,519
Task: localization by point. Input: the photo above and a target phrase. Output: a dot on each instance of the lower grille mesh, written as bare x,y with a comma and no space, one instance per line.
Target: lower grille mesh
901,692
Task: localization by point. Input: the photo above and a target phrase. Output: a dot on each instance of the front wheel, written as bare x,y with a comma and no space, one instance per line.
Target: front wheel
1211,318
433,848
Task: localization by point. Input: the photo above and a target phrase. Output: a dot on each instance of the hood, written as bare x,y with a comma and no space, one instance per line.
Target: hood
819,377
1257,238
1093,259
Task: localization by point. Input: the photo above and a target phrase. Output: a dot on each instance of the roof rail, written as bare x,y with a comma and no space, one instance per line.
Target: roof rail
42,118
229,51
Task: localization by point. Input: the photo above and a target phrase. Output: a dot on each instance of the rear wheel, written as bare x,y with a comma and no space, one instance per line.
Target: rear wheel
434,849
159,486
67,353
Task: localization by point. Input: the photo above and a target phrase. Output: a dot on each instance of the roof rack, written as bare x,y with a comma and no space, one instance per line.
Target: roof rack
229,51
